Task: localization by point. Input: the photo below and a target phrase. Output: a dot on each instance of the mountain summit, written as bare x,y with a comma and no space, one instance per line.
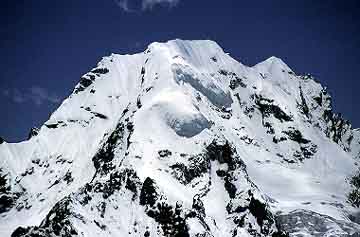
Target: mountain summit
183,140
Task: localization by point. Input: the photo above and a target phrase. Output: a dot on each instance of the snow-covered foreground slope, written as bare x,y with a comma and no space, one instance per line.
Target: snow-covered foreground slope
182,140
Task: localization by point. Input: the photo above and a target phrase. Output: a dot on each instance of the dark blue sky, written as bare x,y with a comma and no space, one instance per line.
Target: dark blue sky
46,46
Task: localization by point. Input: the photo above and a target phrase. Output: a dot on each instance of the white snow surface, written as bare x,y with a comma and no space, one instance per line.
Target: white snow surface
178,97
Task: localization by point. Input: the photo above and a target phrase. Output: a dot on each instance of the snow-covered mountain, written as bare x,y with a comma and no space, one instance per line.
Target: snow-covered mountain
183,140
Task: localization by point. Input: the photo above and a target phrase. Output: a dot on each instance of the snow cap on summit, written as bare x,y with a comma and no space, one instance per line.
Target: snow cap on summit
272,63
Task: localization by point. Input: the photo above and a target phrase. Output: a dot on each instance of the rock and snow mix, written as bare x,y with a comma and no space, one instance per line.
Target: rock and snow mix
183,140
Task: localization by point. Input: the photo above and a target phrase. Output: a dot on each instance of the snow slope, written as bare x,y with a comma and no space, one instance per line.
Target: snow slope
183,140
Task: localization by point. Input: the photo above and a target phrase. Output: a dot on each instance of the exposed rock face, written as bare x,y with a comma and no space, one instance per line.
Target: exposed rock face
8,197
56,223
182,140
300,222
33,132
